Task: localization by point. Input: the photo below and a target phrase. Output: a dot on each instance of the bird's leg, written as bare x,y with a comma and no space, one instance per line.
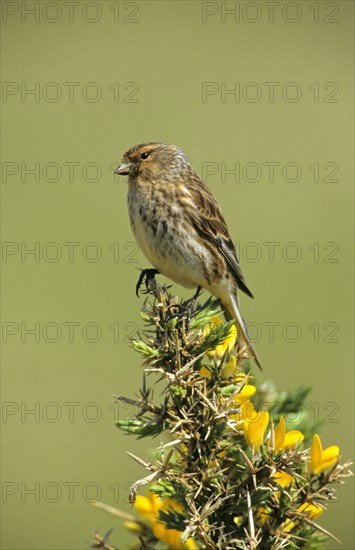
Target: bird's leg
191,304
146,276
186,308
193,300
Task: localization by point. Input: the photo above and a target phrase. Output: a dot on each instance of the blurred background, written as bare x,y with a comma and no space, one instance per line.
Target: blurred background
260,98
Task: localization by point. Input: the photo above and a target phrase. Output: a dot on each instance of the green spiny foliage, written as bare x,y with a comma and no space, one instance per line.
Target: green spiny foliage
229,475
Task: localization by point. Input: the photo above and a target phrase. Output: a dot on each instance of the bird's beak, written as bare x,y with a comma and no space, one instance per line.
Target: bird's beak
123,169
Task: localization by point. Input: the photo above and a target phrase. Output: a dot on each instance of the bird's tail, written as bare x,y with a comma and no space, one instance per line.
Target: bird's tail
231,311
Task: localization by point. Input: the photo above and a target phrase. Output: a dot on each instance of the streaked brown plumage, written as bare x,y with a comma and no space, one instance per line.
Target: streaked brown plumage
180,227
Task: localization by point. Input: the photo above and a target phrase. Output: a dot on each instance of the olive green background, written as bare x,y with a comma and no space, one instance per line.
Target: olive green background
167,52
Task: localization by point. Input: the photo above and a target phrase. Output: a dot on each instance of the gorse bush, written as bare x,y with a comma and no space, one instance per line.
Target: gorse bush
241,465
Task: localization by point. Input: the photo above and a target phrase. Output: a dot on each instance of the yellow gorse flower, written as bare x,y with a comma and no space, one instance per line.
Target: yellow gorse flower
312,511
285,439
149,507
263,514
228,343
282,478
246,408
134,527
321,459
255,427
230,367
245,394
205,372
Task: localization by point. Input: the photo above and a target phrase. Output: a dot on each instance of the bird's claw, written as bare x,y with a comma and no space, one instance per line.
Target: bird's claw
145,276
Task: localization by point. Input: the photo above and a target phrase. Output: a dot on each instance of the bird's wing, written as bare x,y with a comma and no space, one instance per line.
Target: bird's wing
209,222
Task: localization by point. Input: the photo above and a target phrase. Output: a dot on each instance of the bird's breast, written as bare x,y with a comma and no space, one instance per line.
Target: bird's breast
168,241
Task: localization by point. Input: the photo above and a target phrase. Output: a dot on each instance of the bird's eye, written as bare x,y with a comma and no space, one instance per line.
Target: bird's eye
145,155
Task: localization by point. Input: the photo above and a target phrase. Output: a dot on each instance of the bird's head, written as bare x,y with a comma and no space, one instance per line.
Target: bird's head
154,162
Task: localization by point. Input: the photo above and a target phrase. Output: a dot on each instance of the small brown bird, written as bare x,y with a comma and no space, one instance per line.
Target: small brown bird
180,228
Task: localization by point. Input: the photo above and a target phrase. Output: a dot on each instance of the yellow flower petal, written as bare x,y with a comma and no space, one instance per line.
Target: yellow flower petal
144,506
245,394
172,504
321,459
292,438
263,515
190,544
285,439
205,372
237,520
228,343
229,368
280,434
248,411
283,478
134,527
156,502
312,510
159,530
215,321
173,538
254,430
330,456
149,507
287,526
316,453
